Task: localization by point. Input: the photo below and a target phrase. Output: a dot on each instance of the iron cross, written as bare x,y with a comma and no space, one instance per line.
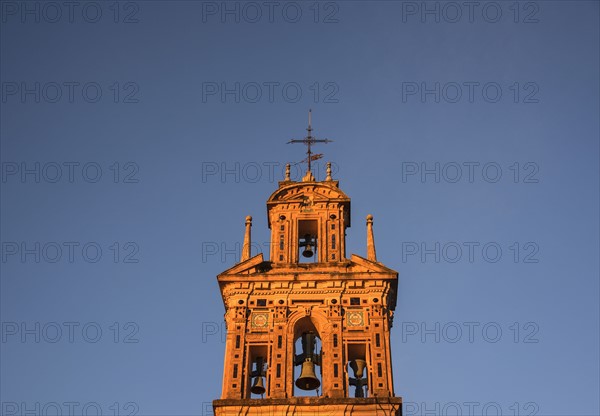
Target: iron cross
309,140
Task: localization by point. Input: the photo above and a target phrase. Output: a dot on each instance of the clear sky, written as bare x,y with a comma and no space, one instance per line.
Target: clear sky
136,137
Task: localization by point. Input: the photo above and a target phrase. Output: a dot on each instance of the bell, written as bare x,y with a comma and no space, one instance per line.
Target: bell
308,380
308,251
358,366
258,387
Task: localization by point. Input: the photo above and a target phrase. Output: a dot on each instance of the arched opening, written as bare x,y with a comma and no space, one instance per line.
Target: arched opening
357,371
257,376
308,241
307,359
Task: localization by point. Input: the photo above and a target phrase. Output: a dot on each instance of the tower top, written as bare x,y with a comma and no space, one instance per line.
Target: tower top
309,140
308,317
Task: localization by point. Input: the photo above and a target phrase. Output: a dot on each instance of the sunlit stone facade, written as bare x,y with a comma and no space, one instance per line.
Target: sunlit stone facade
326,316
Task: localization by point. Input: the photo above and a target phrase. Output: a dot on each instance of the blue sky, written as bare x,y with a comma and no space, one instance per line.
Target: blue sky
136,137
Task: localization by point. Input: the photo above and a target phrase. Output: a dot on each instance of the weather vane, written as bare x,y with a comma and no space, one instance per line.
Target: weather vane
309,141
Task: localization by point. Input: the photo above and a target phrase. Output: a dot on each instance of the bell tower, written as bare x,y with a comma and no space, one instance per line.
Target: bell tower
308,330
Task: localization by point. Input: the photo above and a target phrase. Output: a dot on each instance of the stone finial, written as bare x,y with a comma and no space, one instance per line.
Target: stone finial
328,178
371,254
287,172
247,240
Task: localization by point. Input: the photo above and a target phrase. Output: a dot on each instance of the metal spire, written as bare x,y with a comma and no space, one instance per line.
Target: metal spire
309,140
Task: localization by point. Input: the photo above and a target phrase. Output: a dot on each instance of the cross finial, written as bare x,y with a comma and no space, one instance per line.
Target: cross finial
309,140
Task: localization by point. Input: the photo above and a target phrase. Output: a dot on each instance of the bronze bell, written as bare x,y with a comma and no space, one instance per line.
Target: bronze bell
308,250
308,380
358,367
258,387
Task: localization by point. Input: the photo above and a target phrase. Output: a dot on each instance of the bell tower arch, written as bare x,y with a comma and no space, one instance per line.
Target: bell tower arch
308,329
